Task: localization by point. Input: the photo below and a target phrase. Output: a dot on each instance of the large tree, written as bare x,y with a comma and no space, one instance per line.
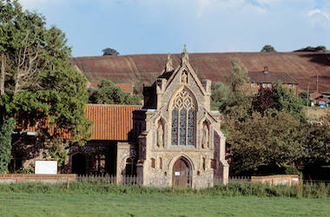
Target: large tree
271,139
238,100
40,85
312,49
279,98
110,51
6,130
268,48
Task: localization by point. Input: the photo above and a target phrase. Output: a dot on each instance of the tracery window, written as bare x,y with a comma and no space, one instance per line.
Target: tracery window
183,120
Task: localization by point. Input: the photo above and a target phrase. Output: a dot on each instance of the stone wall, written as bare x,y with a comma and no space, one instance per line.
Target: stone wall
20,178
288,180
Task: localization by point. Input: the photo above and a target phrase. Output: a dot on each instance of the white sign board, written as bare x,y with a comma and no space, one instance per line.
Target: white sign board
46,167
177,173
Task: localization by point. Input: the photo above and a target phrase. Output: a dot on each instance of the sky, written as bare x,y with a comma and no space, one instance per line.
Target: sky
164,26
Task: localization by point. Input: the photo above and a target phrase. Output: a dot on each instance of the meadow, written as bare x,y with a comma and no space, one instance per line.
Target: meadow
105,200
24,204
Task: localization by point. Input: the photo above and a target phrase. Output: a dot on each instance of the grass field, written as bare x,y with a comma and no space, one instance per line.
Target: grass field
315,113
66,204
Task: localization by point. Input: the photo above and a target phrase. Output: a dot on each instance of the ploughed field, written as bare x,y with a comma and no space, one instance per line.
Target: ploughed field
156,204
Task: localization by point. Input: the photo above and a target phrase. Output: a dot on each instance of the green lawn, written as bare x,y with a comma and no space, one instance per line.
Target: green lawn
66,204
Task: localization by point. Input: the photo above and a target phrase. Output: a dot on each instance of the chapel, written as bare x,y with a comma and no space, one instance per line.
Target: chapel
173,139
176,137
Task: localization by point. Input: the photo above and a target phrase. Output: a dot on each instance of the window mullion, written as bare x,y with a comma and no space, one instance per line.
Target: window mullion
187,127
178,122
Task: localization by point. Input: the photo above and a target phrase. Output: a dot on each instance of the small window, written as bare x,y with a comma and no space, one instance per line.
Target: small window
204,163
214,164
264,85
153,162
269,85
99,163
253,84
291,86
160,163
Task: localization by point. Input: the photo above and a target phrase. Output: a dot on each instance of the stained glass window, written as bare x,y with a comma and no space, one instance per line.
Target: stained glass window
191,126
183,128
174,127
183,119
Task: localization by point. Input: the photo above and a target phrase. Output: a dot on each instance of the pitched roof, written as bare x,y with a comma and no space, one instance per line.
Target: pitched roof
111,122
270,77
145,68
315,95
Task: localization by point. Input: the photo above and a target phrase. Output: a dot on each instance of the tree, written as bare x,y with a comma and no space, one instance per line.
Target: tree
220,94
263,100
238,102
272,139
312,49
285,100
279,98
108,93
316,143
6,129
110,51
268,48
42,88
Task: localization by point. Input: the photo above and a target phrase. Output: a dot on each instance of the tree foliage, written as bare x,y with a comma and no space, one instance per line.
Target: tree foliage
263,140
312,49
41,86
110,51
6,129
220,94
108,93
279,98
316,145
238,101
268,48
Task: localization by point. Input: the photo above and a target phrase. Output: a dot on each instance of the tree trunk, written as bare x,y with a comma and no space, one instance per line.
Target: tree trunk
3,74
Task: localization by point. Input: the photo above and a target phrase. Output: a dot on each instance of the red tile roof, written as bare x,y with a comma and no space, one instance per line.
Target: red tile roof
302,66
111,122
270,77
315,95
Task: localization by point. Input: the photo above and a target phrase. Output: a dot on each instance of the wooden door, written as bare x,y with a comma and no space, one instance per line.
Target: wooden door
181,174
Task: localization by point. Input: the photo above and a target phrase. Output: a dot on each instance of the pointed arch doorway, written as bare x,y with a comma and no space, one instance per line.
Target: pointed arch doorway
181,176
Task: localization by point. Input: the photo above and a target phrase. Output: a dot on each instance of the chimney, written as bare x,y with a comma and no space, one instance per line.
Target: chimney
266,70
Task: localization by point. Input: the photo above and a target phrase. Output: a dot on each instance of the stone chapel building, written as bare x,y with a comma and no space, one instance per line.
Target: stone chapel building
177,137
174,139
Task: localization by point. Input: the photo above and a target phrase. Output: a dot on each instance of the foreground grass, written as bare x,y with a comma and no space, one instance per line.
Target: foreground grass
80,204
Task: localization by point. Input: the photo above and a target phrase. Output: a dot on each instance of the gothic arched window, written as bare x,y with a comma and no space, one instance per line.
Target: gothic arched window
183,120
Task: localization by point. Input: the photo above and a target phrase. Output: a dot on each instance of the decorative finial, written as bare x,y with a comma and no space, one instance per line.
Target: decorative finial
169,65
184,55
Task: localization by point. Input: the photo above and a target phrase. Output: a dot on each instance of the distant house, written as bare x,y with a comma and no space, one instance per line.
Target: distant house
319,99
266,78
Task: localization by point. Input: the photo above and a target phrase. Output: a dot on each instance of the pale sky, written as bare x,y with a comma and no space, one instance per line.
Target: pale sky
163,26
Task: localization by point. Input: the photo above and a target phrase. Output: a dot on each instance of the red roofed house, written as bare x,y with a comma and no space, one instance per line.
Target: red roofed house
266,78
